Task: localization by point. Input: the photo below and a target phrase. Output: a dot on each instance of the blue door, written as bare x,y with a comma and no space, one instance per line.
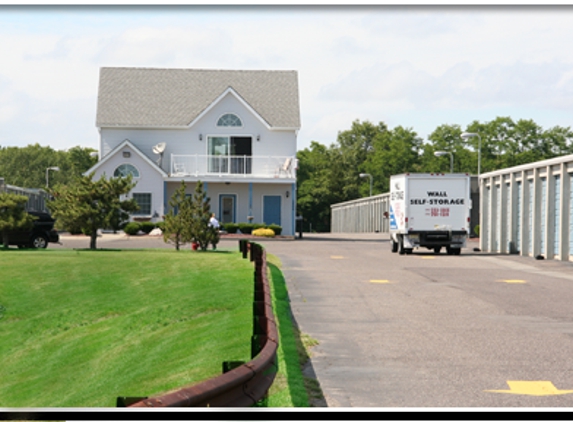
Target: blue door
272,209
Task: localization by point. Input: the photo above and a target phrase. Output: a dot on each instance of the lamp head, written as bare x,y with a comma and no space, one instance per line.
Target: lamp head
440,153
467,135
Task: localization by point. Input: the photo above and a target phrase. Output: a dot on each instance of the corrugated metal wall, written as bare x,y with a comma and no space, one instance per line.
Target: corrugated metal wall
365,215
529,209
36,197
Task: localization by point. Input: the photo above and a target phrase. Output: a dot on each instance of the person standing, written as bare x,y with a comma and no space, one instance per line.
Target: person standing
214,223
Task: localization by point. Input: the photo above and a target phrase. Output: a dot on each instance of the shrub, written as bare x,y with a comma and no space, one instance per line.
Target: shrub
476,230
146,227
231,227
246,228
132,228
263,232
160,225
276,228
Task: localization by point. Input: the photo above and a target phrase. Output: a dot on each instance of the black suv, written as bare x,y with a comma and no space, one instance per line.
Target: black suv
41,233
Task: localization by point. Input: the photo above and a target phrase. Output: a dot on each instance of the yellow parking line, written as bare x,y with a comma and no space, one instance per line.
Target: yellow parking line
512,281
336,257
532,388
379,281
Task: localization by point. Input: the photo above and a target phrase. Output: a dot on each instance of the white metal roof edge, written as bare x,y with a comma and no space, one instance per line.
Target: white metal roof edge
530,166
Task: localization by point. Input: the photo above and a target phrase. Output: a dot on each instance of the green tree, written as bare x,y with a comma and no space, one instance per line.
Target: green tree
329,175
13,215
559,141
506,143
177,229
395,151
319,184
91,205
26,167
447,138
355,147
200,230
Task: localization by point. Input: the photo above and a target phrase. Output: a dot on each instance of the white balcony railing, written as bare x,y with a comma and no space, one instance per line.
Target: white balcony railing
233,166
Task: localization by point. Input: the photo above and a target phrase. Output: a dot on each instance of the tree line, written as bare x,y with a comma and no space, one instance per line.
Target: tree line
26,167
331,174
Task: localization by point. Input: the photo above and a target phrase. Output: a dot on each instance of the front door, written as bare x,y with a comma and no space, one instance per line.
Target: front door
227,208
272,209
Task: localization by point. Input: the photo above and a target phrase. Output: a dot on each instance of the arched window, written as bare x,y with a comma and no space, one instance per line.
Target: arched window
124,169
229,119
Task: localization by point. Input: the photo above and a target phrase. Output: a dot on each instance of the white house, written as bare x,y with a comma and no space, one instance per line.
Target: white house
234,130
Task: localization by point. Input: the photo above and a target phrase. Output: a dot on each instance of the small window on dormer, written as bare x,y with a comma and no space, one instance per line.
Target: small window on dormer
230,119
124,169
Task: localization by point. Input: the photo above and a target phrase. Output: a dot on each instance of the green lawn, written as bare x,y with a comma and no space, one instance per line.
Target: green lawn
80,328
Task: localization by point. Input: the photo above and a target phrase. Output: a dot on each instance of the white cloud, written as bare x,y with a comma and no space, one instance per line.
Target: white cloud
409,66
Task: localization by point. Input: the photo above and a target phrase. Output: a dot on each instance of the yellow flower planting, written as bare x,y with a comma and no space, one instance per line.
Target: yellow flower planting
264,232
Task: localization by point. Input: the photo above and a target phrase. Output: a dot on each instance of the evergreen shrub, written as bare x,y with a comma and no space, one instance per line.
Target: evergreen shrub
132,228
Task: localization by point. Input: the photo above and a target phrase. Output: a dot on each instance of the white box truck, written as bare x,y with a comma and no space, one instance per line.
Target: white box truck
429,210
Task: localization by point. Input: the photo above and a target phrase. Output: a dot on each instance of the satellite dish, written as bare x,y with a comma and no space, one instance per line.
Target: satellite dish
159,148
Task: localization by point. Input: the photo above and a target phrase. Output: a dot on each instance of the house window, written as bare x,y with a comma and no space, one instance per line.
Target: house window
230,119
125,169
144,202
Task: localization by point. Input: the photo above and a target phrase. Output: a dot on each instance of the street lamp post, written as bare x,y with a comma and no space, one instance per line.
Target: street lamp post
47,170
370,176
441,153
467,135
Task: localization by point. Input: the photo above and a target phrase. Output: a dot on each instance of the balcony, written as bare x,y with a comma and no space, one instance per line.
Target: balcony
233,166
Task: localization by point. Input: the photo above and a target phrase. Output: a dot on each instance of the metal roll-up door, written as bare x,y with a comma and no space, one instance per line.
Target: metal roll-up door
530,217
484,232
543,219
557,215
498,217
518,215
507,206
571,215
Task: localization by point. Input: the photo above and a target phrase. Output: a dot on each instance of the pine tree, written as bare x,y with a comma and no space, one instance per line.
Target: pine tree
13,215
201,232
91,205
178,219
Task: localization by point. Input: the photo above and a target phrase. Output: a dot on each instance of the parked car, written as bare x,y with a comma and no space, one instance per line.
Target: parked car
41,233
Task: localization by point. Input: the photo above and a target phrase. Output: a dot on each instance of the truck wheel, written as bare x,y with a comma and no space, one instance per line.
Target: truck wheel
437,249
401,245
450,250
40,242
457,251
408,251
394,246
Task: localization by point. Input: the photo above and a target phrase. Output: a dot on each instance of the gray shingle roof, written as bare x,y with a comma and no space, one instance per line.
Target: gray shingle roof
147,97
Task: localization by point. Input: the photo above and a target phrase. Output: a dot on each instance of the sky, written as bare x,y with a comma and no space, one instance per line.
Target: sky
418,67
